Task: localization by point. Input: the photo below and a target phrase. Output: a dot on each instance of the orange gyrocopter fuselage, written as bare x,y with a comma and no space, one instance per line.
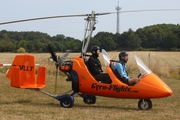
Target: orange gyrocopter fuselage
150,86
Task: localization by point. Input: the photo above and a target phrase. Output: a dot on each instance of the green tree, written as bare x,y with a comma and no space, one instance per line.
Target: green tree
10,47
108,44
133,41
39,46
21,50
30,46
93,42
23,44
171,41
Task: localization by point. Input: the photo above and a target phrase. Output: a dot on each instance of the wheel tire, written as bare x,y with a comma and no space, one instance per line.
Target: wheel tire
66,104
144,104
88,99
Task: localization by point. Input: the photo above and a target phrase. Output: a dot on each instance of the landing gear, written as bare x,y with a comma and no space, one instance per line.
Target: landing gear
66,104
89,99
144,104
66,100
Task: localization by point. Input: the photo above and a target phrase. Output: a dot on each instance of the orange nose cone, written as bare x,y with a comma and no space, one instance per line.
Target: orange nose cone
168,91
162,90
157,88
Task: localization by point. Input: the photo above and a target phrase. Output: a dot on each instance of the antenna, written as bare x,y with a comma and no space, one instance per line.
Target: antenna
118,18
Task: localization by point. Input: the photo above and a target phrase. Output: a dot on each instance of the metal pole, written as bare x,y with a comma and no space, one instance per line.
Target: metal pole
118,18
149,59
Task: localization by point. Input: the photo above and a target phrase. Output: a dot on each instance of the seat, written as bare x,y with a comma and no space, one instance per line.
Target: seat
87,65
111,65
22,73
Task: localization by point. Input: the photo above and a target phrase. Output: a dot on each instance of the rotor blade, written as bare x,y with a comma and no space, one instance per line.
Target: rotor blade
106,13
80,15
149,10
52,17
54,57
42,18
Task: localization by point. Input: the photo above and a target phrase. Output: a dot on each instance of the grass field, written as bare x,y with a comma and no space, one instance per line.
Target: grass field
24,104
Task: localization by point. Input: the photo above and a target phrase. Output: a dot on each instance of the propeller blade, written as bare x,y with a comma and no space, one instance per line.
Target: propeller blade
60,60
66,54
55,85
54,56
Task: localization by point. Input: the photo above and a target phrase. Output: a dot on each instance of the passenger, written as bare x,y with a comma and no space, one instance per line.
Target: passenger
121,72
95,66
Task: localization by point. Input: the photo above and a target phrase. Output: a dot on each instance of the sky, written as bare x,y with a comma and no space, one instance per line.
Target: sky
11,10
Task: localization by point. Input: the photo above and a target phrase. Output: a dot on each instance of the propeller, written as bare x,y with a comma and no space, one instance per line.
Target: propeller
58,61
54,56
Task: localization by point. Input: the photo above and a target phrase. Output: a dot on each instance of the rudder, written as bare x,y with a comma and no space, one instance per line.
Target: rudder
22,72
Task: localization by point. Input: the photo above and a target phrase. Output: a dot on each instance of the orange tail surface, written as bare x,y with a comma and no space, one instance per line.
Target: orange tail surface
22,73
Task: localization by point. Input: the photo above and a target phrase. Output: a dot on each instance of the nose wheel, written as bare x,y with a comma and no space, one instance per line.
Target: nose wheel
66,100
144,104
67,103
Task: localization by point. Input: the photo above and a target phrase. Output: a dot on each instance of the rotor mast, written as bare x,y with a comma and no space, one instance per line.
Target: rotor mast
89,27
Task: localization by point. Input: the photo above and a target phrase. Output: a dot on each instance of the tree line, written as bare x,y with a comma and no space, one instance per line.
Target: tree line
158,37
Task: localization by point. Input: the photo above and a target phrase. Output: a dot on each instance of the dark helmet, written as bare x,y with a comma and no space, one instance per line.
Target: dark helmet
94,49
122,54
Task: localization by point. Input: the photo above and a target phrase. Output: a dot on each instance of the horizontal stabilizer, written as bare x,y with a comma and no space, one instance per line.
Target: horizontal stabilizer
22,73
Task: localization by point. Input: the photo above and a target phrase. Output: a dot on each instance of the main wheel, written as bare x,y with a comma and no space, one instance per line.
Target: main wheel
66,101
144,104
66,104
89,99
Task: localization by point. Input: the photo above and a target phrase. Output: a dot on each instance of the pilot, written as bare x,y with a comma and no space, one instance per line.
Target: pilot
95,66
121,72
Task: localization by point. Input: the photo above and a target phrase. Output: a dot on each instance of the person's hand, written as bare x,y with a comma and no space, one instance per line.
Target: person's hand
142,75
145,74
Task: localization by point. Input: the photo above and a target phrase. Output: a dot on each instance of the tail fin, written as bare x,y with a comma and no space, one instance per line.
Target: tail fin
22,73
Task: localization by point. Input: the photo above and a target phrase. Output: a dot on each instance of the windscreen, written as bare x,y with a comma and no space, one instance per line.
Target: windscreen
106,58
142,67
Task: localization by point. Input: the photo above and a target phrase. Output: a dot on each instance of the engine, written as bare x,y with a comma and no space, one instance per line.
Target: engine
66,66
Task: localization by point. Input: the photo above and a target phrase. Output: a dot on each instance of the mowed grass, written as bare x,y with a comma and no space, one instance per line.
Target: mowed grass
25,104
